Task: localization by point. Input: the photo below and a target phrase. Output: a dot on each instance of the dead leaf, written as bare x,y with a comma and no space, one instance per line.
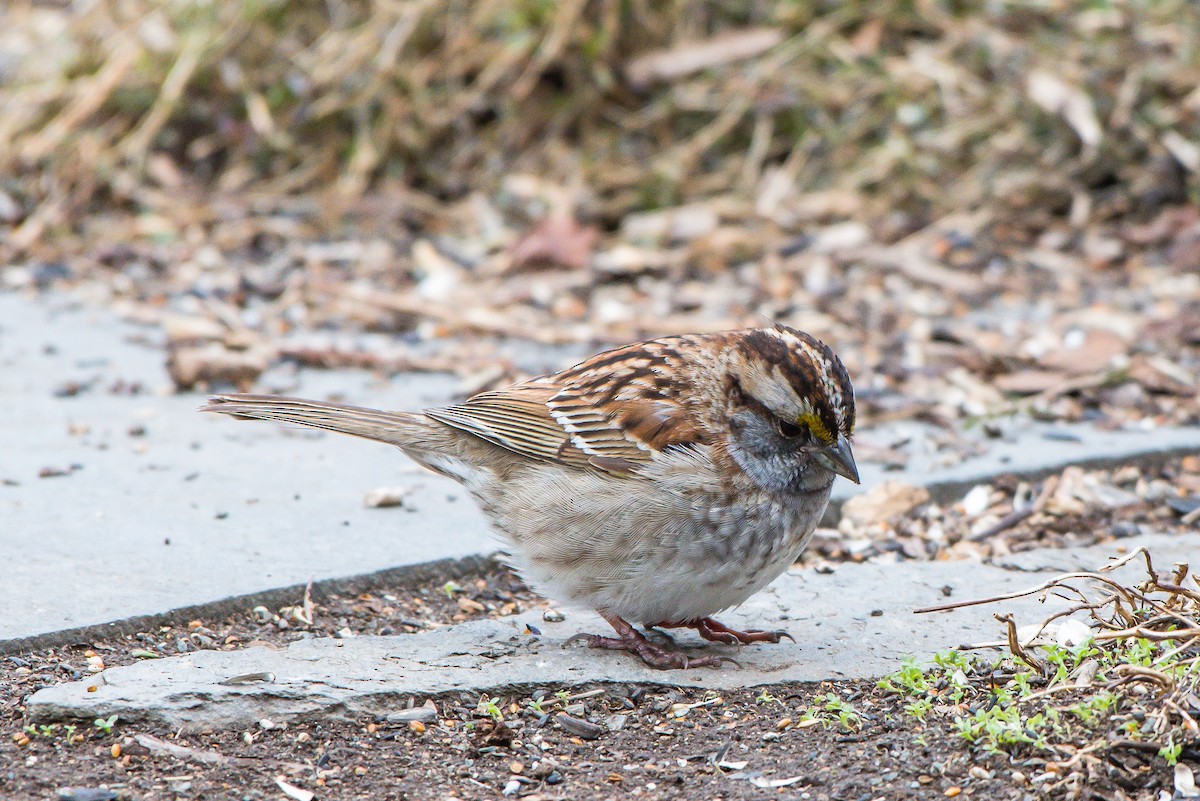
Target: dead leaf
1028,382
885,503
1085,352
292,791
212,363
1162,377
1185,782
555,239
770,784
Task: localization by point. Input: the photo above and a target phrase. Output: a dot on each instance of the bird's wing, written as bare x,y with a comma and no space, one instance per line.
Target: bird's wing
573,424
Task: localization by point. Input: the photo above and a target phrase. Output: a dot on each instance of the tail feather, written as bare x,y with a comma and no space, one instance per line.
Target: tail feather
394,428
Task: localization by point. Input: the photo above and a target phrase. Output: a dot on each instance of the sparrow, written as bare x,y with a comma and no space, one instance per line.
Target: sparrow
658,483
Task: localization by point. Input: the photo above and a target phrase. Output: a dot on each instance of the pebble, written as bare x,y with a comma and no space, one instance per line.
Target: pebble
471,606
583,729
386,497
86,794
977,500
415,713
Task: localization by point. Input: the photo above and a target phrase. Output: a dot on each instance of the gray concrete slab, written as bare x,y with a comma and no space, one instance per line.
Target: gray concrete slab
198,508
1026,447
856,622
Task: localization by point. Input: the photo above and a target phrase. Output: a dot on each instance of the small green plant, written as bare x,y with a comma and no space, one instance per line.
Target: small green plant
950,661
830,709
450,588
49,730
1139,651
1094,709
491,707
765,697
919,708
847,716
947,680
910,679
105,724
1171,751
1002,726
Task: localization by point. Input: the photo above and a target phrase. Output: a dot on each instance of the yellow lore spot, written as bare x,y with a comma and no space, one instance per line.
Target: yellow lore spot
819,431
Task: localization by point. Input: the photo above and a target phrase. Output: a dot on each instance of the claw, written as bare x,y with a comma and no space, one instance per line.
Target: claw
583,635
656,656
714,631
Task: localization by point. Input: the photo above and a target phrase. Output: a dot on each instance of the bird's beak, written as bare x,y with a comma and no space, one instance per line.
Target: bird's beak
838,458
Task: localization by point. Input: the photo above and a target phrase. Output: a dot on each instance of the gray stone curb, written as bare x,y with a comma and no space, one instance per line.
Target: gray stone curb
854,623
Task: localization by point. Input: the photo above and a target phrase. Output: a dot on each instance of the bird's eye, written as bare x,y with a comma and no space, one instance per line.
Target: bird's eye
791,430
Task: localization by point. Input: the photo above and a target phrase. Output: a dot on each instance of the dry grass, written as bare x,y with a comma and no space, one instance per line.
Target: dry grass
916,109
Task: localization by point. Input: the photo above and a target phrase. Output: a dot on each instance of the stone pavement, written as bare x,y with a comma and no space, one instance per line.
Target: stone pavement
159,509
856,622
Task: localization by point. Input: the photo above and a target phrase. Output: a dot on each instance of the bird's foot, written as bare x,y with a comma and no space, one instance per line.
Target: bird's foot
656,656
713,631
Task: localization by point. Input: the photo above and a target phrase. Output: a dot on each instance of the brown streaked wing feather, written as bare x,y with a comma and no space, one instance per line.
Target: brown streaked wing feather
637,427
609,413
591,430
516,418
638,386
659,423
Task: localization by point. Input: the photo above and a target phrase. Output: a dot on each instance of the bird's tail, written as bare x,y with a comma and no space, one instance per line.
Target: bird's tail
394,428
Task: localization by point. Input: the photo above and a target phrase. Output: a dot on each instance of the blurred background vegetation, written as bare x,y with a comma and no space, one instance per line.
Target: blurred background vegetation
909,107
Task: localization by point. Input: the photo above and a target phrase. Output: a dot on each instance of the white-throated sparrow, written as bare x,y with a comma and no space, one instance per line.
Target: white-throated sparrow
658,483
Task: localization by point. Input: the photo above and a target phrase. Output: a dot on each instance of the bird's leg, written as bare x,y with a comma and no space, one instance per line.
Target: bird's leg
718,632
630,639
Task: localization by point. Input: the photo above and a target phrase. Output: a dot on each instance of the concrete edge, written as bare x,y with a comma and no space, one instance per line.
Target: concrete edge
378,705
950,490
406,576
